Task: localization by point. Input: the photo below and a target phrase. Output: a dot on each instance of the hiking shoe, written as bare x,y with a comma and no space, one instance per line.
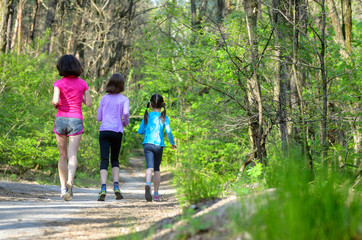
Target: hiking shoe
69,194
148,195
156,198
102,195
118,193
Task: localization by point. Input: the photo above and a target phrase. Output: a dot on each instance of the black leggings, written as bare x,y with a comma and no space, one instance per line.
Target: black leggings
113,140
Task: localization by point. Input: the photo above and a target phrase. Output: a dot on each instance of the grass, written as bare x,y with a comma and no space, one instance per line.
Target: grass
306,205
196,186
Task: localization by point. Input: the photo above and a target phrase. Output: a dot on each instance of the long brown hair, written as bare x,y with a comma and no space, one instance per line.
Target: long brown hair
115,84
156,102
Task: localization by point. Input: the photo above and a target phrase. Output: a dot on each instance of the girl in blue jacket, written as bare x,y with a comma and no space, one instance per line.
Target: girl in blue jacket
152,126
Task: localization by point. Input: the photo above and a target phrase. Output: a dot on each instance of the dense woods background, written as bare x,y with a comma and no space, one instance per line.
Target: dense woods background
249,85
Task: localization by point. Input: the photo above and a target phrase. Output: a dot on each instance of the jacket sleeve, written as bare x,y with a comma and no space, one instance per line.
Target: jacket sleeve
168,131
142,128
100,111
126,113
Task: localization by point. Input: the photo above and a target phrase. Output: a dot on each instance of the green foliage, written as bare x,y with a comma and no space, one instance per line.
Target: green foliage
305,204
203,163
255,172
195,186
26,114
27,153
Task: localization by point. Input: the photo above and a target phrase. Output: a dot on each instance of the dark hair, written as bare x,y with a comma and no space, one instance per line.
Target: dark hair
156,102
115,84
69,65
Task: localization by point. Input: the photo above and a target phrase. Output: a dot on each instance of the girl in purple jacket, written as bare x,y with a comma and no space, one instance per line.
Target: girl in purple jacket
113,112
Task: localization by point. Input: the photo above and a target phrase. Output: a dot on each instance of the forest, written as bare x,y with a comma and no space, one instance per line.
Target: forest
262,93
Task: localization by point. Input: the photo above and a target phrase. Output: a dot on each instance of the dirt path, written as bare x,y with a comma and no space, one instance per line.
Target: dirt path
31,211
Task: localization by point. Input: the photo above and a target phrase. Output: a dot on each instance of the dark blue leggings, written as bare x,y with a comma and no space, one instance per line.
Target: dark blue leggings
153,154
113,140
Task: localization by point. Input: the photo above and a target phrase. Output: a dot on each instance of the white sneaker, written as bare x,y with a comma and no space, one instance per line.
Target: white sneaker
63,191
69,194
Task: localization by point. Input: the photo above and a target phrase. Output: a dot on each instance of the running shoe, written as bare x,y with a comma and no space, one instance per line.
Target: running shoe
63,191
69,194
118,193
156,198
102,195
148,195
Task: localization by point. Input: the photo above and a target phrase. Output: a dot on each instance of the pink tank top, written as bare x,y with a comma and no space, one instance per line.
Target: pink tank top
71,96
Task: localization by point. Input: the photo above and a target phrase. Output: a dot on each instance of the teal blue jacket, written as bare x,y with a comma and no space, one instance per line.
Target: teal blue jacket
154,129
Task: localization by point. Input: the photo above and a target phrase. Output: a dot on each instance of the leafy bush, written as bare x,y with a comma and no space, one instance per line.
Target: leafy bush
26,113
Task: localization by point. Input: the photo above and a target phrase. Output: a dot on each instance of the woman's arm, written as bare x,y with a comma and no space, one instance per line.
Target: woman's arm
142,128
87,98
126,113
56,95
169,133
100,111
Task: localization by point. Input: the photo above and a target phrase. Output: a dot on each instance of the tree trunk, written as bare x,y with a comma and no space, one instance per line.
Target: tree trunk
337,27
9,29
193,21
356,131
49,23
347,24
281,79
220,10
255,115
4,16
324,83
196,19
35,20
20,24
297,103
15,32
228,6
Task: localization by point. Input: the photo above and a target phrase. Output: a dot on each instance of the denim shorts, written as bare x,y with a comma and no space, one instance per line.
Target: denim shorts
68,126
153,154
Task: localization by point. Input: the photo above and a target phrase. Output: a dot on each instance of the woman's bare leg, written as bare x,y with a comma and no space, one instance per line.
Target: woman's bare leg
63,159
104,174
156,180
72,156
115,174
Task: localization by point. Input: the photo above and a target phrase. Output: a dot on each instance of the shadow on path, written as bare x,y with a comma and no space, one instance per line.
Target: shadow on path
31,211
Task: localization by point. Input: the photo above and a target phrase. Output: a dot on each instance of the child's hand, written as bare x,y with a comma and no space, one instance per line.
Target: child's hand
174,147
